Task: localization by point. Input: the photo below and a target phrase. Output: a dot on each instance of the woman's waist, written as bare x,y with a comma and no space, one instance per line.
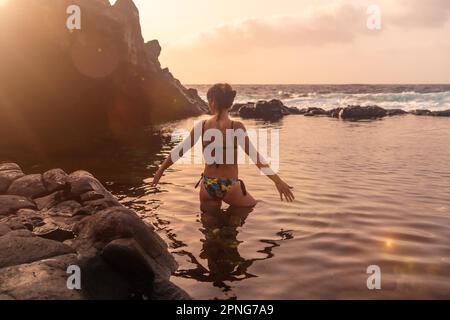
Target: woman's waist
224,172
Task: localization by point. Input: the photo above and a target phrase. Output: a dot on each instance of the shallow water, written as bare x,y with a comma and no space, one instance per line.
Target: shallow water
368,193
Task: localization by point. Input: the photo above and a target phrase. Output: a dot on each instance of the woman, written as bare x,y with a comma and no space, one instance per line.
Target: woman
220,180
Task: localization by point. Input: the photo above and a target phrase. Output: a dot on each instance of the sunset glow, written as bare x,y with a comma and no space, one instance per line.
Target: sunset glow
300,41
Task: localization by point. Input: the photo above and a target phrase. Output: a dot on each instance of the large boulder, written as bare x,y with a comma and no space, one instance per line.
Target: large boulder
362,113
103,79
31,186
11,204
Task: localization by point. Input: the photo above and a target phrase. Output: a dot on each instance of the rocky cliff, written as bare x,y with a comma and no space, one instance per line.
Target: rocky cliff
57,85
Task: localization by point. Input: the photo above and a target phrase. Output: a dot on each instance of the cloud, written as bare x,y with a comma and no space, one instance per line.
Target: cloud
420,13
337,23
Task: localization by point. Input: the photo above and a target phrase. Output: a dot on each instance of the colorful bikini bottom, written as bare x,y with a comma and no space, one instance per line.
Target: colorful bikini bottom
217,188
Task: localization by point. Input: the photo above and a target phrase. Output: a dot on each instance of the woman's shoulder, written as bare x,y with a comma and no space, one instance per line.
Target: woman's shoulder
238,125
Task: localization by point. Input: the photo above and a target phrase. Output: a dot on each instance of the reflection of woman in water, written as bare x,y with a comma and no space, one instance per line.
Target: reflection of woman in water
221,249
220,181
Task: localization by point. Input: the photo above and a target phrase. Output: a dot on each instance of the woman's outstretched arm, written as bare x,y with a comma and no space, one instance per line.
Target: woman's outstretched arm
179,151
283,188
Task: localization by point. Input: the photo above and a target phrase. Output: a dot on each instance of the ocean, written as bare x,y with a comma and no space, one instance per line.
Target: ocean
406,97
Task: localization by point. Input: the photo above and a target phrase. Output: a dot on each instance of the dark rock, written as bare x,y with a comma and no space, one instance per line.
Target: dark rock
49,201
445,113
53,232
69,208
7,177
10,167
421,112
269,110
55,179
119,255
95,232
395,112
40,280
91,195
248,112
334,113
21,246
24,219
11,204
128,259
311,112
81,182
30,186
362,113
4,229
294,110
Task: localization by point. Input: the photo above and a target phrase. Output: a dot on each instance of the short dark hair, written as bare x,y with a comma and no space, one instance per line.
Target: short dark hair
222,94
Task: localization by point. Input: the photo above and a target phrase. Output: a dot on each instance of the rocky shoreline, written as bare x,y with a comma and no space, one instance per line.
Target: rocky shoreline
52,221
275,110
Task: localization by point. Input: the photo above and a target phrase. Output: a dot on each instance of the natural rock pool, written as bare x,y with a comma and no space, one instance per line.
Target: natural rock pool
368,193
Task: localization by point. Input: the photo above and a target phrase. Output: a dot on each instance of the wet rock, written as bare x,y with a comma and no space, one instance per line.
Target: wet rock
39,280
270,110
334,113
7,177
91,195
4,229
24,219
395,112
55,179
11,204
30,186
294,110
50,201
311,112
52,231
444,113
21,246
120,256
362,113
69,208
95,232
81,182
421,112
247,112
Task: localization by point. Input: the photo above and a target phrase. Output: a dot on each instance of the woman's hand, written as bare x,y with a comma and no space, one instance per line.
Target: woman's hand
157,177
285,190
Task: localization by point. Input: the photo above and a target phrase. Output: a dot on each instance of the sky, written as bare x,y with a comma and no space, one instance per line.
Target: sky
300,41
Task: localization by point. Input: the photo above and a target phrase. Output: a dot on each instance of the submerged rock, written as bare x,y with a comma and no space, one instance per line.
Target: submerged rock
395,112
421,112
80,224
267,110
362,113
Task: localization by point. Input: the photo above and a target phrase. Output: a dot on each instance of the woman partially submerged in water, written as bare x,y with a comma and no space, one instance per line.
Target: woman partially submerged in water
220,179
